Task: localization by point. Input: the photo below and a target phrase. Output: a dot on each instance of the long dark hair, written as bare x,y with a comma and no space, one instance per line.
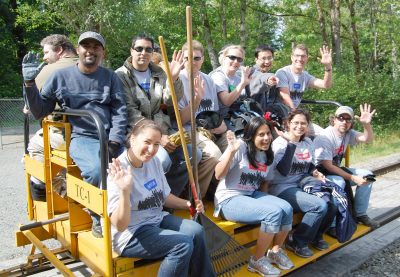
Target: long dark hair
250,131
298,112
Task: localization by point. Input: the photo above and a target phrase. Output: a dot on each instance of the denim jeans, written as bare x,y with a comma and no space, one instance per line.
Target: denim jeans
180,241
85,151
273,213
317,215
361,198
174,167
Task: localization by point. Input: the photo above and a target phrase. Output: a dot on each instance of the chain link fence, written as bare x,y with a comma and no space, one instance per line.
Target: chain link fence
12,122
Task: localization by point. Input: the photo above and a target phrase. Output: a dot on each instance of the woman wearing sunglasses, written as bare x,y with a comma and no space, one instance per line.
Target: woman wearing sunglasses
294,160
230,85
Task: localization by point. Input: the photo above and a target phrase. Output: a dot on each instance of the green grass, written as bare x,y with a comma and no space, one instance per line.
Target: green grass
382,145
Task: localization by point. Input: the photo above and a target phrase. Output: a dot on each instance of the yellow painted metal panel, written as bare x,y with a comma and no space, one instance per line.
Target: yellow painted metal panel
34,168
85,194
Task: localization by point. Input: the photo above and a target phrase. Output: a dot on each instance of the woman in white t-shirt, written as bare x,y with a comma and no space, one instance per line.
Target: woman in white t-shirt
243,171
137,192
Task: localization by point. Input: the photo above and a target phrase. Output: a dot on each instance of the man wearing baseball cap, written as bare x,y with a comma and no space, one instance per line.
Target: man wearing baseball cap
88,86
330,147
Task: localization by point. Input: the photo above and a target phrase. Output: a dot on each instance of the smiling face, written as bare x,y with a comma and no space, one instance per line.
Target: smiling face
264,60
144,145
141,54
299,59
263,138
91,53
298,126
342,123
233,60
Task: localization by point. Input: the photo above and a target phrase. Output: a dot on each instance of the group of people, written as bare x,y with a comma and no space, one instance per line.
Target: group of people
257,177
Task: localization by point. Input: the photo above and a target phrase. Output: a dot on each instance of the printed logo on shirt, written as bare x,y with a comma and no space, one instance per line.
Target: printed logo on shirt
251,180
339,150
261,167
150,184
231,88
145,86
299,168
303,156
153,201
205,105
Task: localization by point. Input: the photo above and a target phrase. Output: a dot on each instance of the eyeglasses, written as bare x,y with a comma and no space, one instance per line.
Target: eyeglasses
266,59
298,123
140,49
194,58
342,119
232,58
300,56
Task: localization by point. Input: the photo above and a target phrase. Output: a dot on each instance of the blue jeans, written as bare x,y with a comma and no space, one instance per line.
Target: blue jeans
85,151
180,241
174,167
317,215
273,213
361,198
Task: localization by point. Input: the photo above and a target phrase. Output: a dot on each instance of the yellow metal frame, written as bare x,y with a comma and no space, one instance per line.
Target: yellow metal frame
75,233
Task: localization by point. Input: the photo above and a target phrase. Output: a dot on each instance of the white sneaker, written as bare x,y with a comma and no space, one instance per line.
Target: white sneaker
263,267
280,259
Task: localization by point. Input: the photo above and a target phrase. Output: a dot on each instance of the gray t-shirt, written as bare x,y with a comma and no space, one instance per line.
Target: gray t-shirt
296,83
302,160
150,189
225,83
242,178
331,147
210,99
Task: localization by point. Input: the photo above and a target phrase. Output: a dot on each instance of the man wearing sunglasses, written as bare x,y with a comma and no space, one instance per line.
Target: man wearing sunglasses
330,147
294,80
148,96
206,99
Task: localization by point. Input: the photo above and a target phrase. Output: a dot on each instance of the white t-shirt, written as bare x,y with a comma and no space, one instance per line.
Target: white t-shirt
296,83
302,160
143,78
150,189
330,147
242,178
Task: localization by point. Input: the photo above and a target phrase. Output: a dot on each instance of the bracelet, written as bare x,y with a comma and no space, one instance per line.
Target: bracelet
328,70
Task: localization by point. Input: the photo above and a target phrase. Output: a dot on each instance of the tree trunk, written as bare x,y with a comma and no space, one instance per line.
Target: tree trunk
321,20
373,15
336,42
207,36
394,50
243,22
223,21
17,32
354,37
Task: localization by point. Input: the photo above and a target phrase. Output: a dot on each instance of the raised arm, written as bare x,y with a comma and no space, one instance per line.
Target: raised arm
222,167
326,60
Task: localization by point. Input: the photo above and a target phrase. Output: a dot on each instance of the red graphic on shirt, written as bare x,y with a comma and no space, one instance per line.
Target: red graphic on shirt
261,167
339,150
303,156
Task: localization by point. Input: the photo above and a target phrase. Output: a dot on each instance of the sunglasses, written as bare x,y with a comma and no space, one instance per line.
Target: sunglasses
232,58
140,49
342,119
194,58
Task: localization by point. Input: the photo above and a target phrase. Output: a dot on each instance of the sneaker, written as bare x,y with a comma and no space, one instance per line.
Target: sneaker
332,232
280,259
262,267
97,231
366,220
303,252
321,244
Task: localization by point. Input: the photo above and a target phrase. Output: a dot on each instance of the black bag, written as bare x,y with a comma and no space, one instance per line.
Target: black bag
209,119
